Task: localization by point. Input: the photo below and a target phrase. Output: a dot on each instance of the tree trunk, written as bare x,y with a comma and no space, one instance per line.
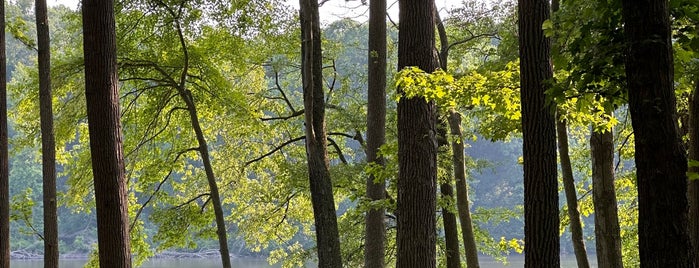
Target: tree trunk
661,162
693,191
48,144
101,92
608,240
327,236
571,196
462,202
451,232
375,232
417,144
210,178
203,148
541,220
4,152
457,148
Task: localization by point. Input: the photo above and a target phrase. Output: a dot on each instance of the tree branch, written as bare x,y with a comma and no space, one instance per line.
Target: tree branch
275,149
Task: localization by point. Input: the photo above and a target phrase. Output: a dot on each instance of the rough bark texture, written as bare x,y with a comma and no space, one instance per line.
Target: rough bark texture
48,144
571,196
417,144
101,92
539,139
661,162
693,191
4,152
608,238
327,237
375,229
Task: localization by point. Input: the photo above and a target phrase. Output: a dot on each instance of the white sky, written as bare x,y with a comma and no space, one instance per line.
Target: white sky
330,11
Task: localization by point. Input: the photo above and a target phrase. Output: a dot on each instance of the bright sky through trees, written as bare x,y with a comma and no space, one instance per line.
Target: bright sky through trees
330,11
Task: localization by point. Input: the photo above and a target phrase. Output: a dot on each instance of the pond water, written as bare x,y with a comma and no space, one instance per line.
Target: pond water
514,261
156,263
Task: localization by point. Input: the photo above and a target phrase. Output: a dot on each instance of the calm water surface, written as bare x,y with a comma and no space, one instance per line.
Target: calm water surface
514,261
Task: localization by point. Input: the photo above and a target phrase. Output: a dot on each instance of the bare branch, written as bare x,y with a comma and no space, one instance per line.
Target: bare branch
191,200
338,150
294,114
275,149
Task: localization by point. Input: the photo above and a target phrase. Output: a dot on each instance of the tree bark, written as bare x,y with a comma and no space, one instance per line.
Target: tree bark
327,236
210,178
571,196
608,238
4,152
417,144
101,92
48,143
203,148
693,191
457,146
375,229
569,184
451,233
462,202
541,220
661,162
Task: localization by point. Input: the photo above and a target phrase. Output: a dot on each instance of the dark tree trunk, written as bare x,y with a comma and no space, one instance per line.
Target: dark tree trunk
576,231
462,202
210,178
541,220
693,191
417,144
203,147
608,238
327,236
457,148
4,152
451,231
101,92
571,196
375,232
48,144
661,163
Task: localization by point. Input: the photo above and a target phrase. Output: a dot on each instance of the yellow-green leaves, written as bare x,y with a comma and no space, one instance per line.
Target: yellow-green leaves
435,86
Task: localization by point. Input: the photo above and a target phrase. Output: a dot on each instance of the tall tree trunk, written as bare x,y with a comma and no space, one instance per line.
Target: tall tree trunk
541,220
101,92
48,144
571,196
693,191
462,202
327,236
569,183
417,144
661,163
608,240
203,148
457,148
451,232
375,229
4,152
210,178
